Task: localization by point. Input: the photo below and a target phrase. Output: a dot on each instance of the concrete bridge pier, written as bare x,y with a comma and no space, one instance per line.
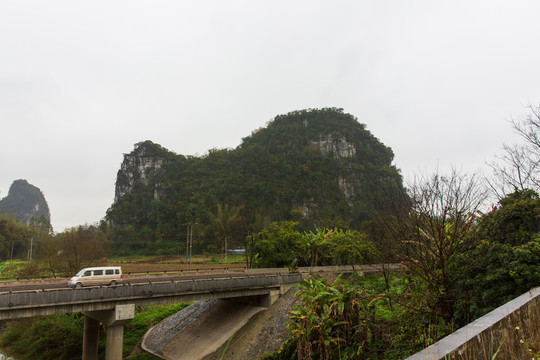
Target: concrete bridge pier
90,338
114,319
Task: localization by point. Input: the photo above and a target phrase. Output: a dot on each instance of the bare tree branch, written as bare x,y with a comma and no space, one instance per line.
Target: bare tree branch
433,224
518,168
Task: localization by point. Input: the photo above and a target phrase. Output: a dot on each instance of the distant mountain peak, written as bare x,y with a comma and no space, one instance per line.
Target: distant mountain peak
140,166
24,201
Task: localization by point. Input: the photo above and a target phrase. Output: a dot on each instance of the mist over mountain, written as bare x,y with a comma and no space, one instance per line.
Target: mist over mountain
320,167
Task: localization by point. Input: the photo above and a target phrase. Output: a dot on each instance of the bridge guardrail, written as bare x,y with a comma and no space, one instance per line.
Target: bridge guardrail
6,281
249,282
45,302
61,278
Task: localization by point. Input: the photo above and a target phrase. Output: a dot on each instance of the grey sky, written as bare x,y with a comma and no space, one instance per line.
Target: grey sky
82,81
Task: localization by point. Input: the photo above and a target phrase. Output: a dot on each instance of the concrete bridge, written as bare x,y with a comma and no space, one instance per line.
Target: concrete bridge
115,306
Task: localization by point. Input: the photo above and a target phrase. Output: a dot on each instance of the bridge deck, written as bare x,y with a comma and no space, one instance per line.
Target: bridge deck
47,302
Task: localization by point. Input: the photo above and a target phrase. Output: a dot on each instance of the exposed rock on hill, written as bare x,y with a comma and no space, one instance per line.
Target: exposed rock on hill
317,167
140,167
25,201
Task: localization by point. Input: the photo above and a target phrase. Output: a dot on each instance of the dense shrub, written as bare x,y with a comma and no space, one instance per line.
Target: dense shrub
282,245
506,260
47,337
277,245
358,318
60,336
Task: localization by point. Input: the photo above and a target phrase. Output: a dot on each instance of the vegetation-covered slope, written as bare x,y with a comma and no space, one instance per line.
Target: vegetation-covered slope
318,167
24,201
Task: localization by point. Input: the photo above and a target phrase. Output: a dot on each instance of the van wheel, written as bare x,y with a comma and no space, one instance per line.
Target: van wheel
78,285
113,283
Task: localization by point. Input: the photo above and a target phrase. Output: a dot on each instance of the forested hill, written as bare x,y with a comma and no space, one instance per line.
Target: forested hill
321,168
24,201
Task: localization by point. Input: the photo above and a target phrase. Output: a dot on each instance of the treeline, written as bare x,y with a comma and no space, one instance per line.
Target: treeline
20,240
43,250
320,168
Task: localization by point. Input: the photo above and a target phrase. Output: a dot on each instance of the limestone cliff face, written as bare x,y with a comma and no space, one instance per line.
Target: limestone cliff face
25,201
336,146
340,149
140,167
322,164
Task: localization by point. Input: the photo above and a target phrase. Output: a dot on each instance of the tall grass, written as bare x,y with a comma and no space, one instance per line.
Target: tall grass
518,337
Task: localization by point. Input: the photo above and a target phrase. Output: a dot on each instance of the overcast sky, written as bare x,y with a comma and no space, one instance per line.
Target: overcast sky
82,81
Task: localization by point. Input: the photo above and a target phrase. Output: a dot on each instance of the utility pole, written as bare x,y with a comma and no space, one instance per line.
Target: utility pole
29,257
190,243
31,245
187,243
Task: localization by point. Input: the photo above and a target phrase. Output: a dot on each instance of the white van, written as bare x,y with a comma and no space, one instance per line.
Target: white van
105,275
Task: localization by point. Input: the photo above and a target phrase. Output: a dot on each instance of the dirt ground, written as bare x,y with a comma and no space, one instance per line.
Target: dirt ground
171,264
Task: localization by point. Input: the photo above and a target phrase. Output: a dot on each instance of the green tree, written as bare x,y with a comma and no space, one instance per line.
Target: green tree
515,221
277,245
14,238
41,231
316,248
75,248
225,224
253,220
335,247
506,260
351,248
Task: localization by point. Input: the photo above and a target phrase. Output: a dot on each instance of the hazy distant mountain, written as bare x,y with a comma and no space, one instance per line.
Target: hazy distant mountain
24,201
318,167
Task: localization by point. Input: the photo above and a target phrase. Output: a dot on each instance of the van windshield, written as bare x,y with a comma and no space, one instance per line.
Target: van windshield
80,273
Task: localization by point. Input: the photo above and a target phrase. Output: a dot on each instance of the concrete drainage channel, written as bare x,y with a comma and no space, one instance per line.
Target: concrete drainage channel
160,335
203,327
198,330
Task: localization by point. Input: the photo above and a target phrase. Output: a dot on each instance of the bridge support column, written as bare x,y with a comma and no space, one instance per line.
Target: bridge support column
267,300
114,319
115,340
90,339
